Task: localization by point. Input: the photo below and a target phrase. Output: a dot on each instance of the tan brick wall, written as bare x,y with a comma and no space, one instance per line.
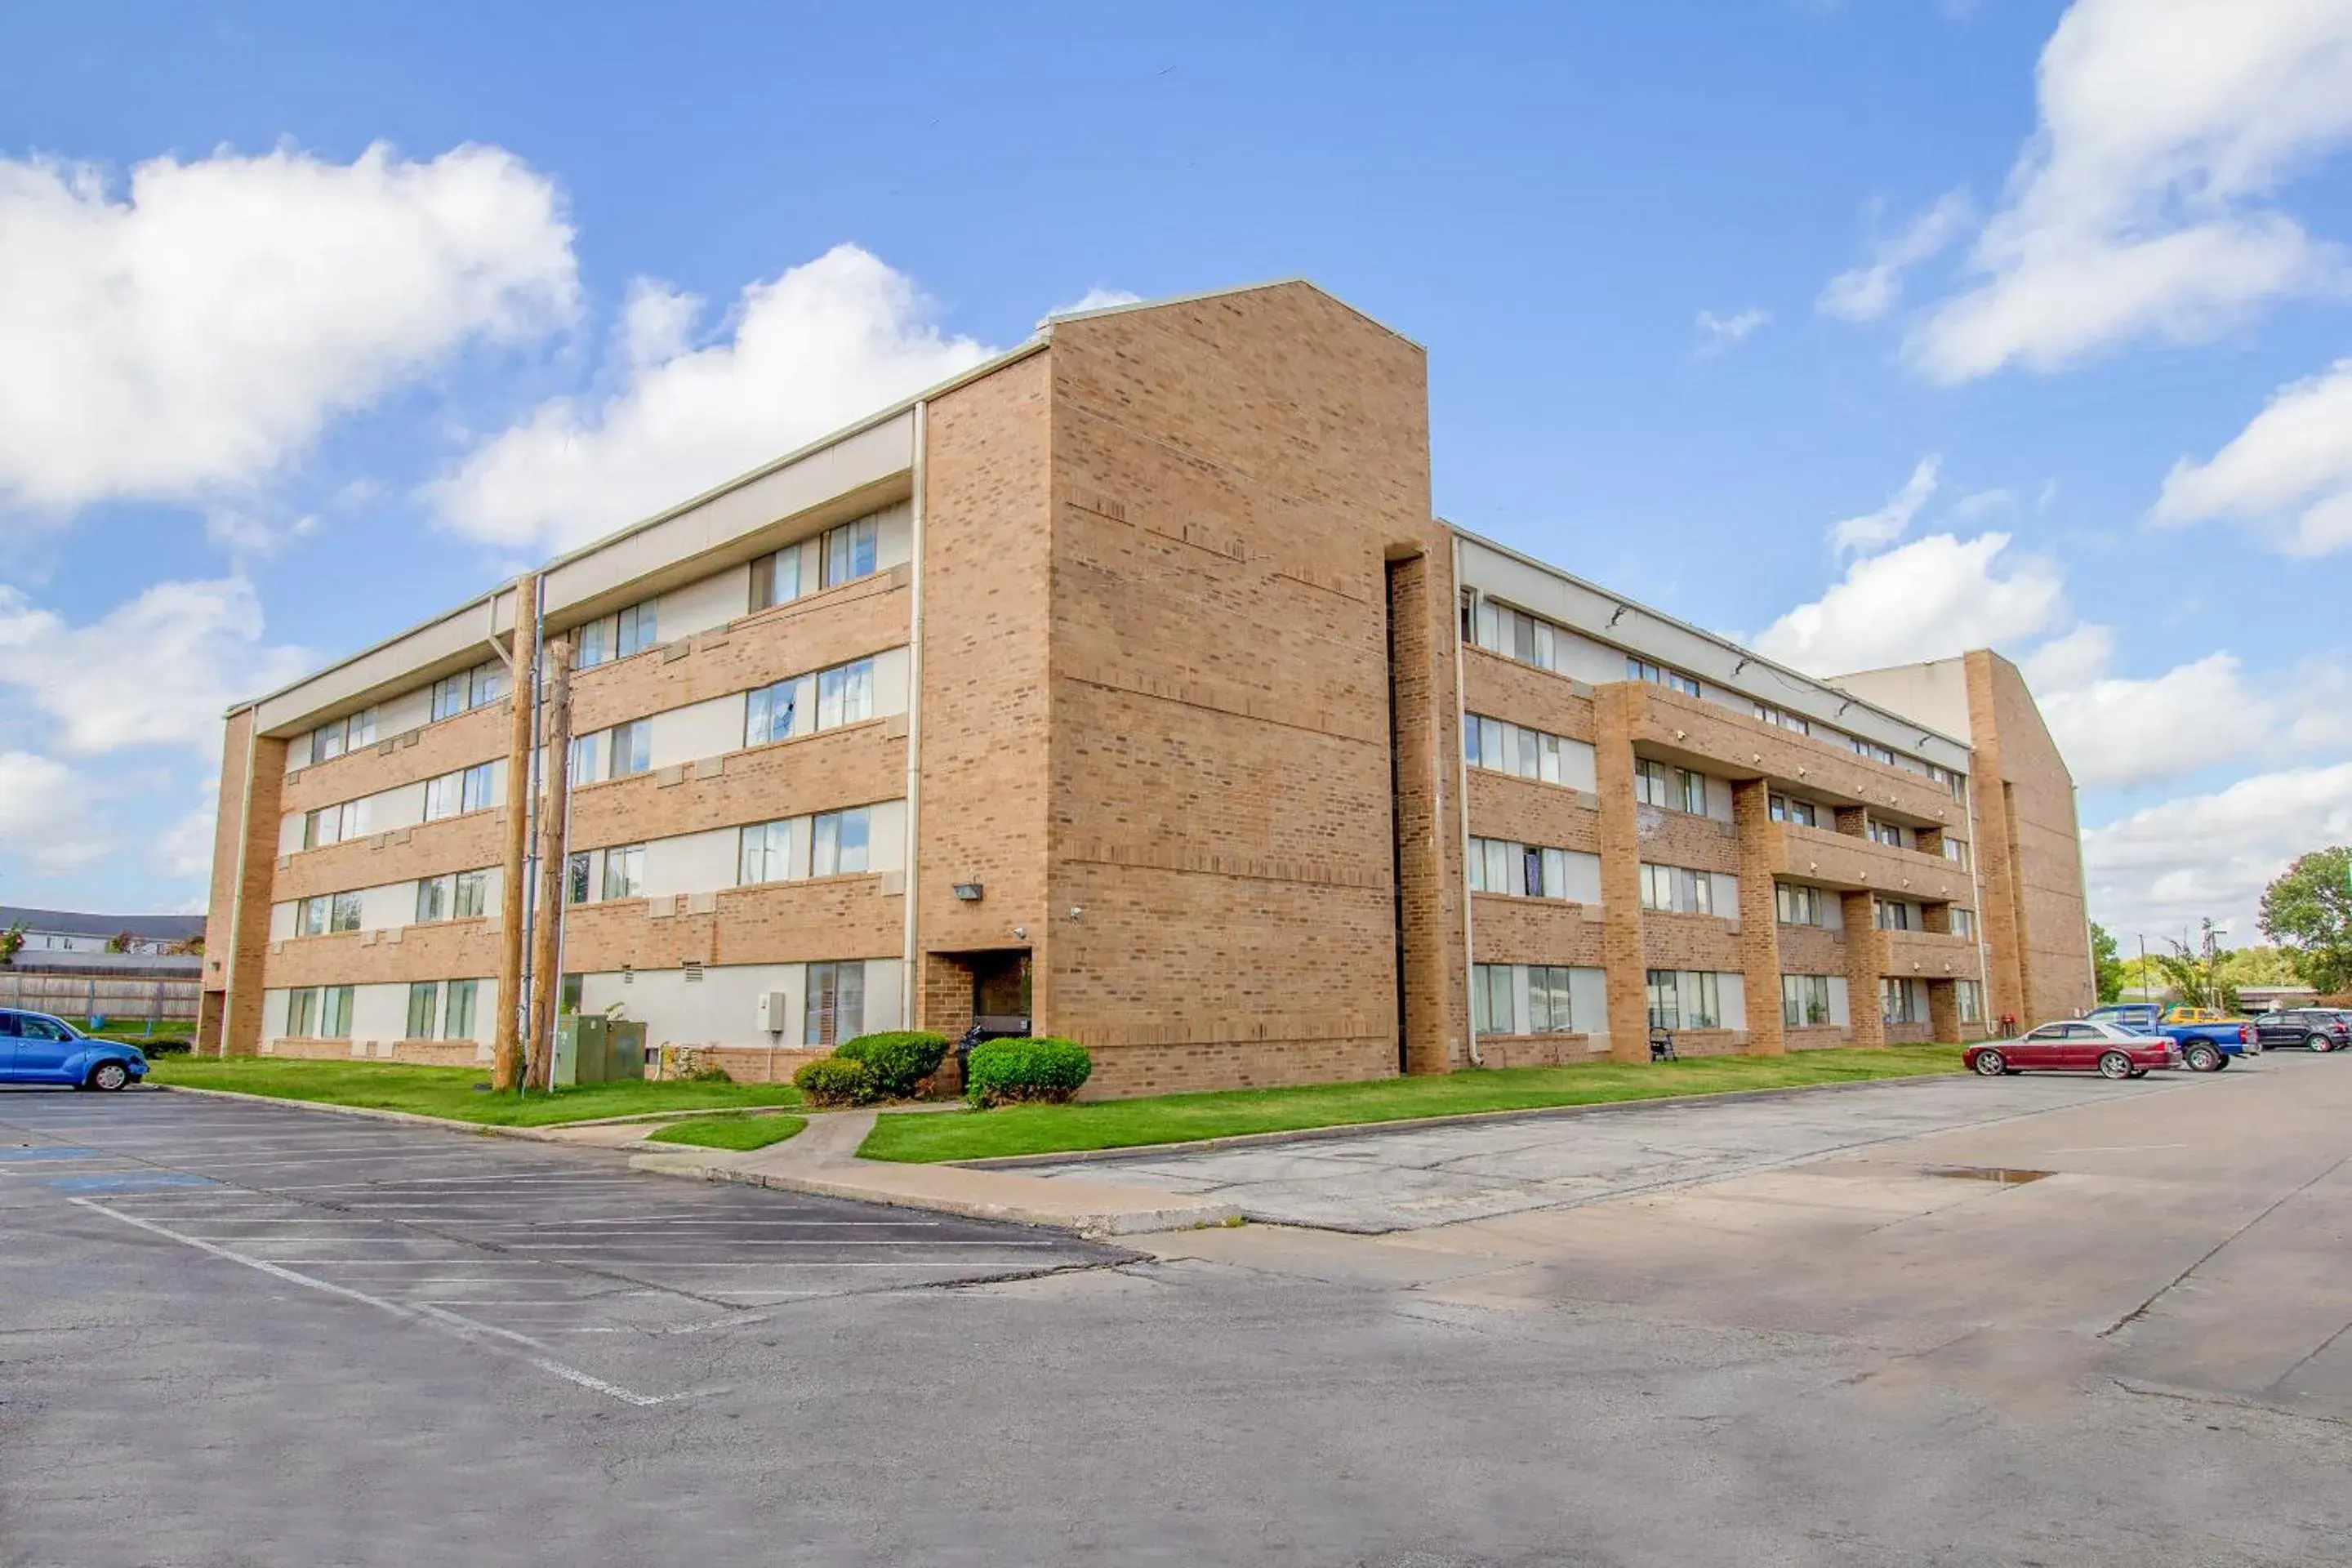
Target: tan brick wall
1500,688
1759,931
1537,930
443,747
237,924
1865,961
2028,852
1621,852
220,930
1504,807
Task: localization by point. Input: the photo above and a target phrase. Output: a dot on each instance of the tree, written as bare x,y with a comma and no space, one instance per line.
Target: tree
120,942
2308,911
2260,966
12,942
2194,981
2108,963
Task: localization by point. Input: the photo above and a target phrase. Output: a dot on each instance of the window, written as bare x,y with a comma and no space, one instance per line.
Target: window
303,1012
776,579
630,748
1970,997
448,697
1675,890
432,899
1785,721
844,694
767,851
1804,1000
1797,905
1490,998
458,1017
485,684
625,871
849,552
310,917
1684,999
1962,921
472,894
443,796
1514,634
771,712
334,824
594,645
477,787
1899,1001
576,878
1504,747
1885,833
360,727
636,628
582,767
1785,809
335,1013
423,1009
1548,1000
1661,675
1955,851
1675,789
1870,749
343,912
838,842
836,1002
1892,916
568,996
1522,871
327,741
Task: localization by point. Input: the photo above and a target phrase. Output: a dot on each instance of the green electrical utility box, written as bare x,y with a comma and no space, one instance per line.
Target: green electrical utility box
591,1048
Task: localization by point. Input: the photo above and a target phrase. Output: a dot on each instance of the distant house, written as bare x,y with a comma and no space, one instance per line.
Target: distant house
61,930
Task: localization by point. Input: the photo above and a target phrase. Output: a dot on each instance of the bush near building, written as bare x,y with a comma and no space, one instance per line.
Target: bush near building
888,1065
1043,1070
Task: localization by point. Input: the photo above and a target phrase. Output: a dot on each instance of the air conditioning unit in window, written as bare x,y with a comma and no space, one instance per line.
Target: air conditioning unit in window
774,1011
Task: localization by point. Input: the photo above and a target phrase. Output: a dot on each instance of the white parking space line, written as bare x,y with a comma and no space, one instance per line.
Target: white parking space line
439,1318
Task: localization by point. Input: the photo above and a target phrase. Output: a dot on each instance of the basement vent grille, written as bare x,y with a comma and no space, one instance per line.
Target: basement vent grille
693,967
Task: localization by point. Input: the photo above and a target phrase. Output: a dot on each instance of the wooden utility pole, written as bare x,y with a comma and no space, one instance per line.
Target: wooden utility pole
506,1065
547,928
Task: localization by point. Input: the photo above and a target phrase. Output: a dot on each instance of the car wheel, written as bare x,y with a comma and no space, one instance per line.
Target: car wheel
1990,1064
2322,1043
108,1076
2114,1064
2203,1057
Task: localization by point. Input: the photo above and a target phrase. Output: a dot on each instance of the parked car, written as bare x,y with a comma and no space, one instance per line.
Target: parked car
2076,1044
2319,1028
2204,1047
38,1048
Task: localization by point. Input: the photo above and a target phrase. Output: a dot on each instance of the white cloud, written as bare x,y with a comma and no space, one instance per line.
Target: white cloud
185,848
1865,293
822,345
2172,864
1720,332
159,671
2118,730
1931,598
1888,523
1095,299
44,813
195,332
2134,210
2288,475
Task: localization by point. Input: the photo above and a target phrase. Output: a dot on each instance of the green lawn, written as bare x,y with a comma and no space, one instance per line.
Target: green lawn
451,1092
738,1131
1178,1118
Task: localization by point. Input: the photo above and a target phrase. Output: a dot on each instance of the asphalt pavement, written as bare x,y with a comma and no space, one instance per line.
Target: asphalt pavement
264,1335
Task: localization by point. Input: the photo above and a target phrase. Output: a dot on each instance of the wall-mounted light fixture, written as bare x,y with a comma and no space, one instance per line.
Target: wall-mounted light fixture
1021,933
1738,667
967,892
1841,708
1617,614
1078,911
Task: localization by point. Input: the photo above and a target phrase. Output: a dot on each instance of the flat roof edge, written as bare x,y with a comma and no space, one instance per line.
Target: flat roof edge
1129,307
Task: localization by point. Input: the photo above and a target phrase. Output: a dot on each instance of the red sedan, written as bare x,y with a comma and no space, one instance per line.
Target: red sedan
2076,1044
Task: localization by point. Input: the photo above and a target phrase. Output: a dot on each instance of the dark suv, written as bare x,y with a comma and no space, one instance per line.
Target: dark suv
2320,1028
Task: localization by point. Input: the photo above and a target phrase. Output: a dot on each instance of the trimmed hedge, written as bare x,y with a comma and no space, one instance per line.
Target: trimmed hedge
999,1072
837,1080
900,1059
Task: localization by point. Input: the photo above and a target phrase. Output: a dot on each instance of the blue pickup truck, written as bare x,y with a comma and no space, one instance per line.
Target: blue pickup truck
2205,1048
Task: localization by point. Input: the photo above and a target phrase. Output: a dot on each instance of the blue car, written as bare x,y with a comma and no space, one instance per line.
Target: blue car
38,1048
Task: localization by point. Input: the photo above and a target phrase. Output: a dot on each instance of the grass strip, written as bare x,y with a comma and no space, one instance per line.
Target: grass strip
737,1132
1181,1118
452,1092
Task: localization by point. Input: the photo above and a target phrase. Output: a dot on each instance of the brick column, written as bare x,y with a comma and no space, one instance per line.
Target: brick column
1620,874
1428,947
245,857
1865,961
1759,918
1944,1010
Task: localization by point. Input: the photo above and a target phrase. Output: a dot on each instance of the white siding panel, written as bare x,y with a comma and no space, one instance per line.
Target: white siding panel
1576,769
273,1014
1726,894
890,681
401,806
1718,799
1731,989
1583,877
893,536
391,905
722,1008
1588,1000
691,862
885,840
712,602
700,730
409,710
1589,661
281,921
289,832
1833,910
1841,1012
379,1013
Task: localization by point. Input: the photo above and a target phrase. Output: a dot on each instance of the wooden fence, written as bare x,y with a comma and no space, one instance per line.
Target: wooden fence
95,995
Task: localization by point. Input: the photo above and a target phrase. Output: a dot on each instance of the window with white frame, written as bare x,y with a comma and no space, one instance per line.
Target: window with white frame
1892,915
450,696
771,712
457,1015
629,748
1677,889
1490,998
1684,999
303,1012
423,1009
472,894
617,635
776,578
1902,1000
1500,746
1516,635
335,824
346,734
1674,789
1970,997
1887,832
1871,749
838,841
767,853
1795,722
443,797
310,916
335,1013
849,551
476,785
433,899
835,1002
1797,904
625,871
1663,675
576,885
485,684
1787,808
1804,1000
343,912
1963,923
1548,1008
1520,871
844,694
1955,851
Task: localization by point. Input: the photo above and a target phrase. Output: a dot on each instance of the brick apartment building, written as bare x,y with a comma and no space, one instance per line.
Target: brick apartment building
1127,685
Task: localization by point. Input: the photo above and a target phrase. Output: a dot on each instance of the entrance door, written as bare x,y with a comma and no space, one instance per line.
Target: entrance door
1000,992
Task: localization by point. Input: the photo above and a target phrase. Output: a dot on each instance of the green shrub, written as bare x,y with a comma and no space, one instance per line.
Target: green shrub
898,1059
837,1080
999,1072
150,1044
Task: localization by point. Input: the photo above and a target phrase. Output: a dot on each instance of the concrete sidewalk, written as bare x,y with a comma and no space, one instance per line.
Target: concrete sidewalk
824,1160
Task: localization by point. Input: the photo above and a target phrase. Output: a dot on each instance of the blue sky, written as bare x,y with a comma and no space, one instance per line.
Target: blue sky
279,394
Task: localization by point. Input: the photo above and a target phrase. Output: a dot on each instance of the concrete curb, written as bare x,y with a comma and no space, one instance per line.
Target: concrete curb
547,1134
822,1183
1467,1118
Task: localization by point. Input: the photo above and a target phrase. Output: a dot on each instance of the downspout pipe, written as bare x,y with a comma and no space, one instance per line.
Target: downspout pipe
1462,803
907,981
